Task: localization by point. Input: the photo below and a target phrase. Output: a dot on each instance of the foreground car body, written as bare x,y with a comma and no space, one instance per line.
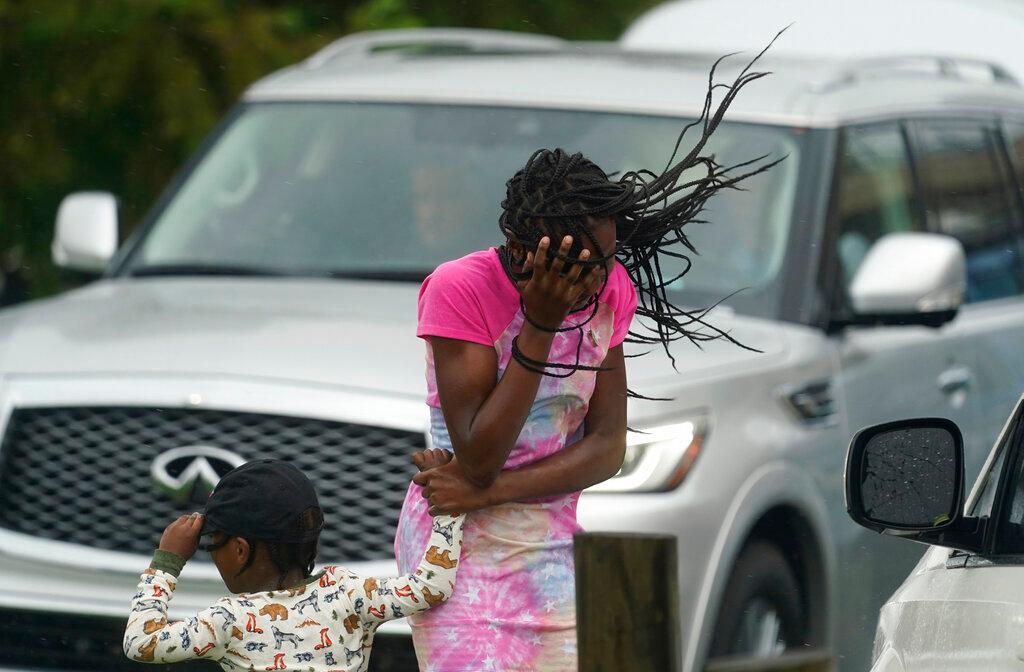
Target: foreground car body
962,607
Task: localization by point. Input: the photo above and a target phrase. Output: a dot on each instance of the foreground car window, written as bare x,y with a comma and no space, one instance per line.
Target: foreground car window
391,190
1010,529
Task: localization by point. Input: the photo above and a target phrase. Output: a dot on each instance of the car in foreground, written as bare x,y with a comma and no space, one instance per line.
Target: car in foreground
962,607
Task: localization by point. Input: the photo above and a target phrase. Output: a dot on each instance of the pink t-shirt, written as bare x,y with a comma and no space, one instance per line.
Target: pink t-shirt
472,299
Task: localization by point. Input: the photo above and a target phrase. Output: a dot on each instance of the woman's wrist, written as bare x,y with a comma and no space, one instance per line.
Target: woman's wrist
497,493
534,343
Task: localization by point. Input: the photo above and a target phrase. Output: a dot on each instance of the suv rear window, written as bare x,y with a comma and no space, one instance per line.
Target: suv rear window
968,195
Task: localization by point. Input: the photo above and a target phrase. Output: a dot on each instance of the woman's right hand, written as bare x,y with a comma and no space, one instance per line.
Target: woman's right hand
550,293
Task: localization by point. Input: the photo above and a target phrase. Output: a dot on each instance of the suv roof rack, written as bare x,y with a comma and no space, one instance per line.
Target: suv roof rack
432,41
964,69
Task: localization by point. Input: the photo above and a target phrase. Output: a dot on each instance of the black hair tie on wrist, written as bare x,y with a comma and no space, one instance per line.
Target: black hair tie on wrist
591,303
541,367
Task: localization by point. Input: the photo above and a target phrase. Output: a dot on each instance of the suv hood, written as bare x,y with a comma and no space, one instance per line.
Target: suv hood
357,334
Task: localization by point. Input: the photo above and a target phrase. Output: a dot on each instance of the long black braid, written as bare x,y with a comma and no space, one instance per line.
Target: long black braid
557,194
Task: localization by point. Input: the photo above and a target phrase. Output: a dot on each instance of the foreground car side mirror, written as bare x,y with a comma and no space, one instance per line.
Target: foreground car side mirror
910,278
906,479
86,233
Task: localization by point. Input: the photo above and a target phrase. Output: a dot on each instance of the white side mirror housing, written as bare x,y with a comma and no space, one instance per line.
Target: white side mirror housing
910,274
86,232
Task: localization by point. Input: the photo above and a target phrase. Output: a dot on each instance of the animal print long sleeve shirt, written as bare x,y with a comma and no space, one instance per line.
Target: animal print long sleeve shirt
327,624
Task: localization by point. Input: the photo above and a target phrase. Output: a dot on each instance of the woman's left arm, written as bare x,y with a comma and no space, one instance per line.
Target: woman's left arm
594,458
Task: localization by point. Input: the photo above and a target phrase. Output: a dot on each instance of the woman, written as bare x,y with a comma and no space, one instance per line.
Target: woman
527,384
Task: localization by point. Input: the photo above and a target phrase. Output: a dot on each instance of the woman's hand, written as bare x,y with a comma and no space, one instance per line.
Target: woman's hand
449,492
182,536
549,294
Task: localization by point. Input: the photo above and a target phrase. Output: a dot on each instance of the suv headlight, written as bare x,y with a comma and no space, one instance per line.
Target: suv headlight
657,458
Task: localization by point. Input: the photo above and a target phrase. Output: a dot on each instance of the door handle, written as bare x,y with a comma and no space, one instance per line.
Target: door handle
955,379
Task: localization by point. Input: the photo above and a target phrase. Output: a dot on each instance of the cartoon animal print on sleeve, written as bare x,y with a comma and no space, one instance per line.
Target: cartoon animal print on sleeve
351,655
310,601
445,530
370,587
431,583
277,612
440,558
150,638
351,622
325,639
281,637
432,599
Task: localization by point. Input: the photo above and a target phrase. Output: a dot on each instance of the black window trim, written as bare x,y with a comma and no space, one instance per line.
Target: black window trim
827,279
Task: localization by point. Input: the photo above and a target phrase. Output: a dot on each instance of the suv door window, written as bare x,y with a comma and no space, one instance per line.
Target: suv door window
875,192
1015,142
967,194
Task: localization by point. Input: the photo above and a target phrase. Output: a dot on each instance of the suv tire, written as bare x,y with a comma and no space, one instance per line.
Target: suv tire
761,613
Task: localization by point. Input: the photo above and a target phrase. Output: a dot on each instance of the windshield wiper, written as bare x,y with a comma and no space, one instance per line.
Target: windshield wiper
390,276
261,271
203,269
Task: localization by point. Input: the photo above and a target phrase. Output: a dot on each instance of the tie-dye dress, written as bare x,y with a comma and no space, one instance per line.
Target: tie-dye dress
513,608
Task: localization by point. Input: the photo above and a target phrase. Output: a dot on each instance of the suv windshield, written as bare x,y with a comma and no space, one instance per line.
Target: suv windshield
389,191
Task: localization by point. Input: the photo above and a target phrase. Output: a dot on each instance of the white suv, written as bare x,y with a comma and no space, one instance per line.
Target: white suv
267,306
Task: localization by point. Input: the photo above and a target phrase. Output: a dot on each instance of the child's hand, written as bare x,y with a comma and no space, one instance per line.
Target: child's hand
182,536
430,458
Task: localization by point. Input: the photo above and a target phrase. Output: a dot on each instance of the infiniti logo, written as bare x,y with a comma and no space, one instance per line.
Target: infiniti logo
189,473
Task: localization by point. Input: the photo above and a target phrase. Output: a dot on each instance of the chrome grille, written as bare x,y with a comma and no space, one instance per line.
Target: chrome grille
82,475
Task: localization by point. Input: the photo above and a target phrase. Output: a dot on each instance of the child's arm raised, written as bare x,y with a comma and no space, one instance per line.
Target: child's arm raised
148,637
376,600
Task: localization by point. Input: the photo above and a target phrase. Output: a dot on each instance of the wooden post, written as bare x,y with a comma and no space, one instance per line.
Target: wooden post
627,602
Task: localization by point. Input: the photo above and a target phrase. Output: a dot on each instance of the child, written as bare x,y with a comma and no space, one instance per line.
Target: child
265,519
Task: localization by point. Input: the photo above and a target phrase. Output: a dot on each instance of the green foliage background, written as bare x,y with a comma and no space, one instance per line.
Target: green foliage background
114,95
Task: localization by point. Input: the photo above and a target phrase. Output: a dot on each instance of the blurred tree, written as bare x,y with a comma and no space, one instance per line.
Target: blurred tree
115,94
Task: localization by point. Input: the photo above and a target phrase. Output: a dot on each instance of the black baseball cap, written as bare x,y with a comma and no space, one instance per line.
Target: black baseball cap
265,499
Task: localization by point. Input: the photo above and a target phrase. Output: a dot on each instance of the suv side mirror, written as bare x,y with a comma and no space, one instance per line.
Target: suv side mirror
910,278
906,478
86,231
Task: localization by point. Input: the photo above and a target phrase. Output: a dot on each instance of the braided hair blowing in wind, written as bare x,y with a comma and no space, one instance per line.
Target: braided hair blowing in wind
557,194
